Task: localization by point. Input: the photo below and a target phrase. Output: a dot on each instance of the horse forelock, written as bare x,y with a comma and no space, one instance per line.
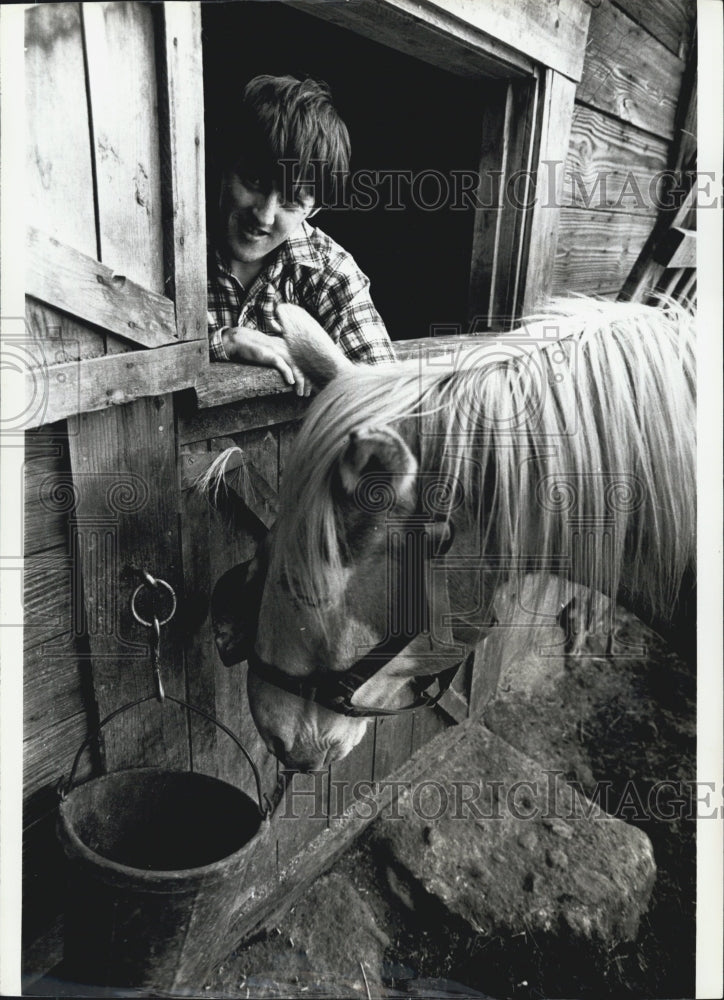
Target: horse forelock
592,427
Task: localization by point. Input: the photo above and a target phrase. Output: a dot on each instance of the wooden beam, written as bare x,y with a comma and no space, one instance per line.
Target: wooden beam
510,141
556,107
181,120
426,31
221,382
244,415
81,387
677,248
550,32
80,285
645,272
126,522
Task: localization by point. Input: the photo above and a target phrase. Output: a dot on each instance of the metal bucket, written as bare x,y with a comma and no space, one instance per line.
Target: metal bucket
157,873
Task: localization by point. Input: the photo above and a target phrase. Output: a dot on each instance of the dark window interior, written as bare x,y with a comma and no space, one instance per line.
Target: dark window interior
402,114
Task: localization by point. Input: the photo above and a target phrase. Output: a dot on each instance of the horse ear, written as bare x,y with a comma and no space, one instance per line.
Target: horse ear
310,345
381,454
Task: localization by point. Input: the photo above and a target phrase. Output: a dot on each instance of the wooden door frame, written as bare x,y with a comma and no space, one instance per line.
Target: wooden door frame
533,59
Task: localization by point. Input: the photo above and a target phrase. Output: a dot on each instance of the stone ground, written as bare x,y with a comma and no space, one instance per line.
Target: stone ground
550,907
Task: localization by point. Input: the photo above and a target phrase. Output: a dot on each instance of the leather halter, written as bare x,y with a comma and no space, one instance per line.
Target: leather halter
334,690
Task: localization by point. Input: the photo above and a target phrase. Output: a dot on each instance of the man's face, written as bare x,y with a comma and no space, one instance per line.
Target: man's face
256,220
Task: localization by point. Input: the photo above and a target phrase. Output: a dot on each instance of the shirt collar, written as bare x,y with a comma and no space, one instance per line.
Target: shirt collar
297,249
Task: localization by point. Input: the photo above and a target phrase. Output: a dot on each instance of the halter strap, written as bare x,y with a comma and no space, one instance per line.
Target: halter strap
335,689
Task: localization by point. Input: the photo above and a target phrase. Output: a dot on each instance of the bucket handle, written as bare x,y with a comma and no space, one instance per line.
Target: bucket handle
64,787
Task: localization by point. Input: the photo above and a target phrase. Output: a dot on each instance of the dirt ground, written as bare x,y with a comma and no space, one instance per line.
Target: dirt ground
628,721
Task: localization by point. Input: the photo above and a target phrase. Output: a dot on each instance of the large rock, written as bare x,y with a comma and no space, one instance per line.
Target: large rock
493,848
328,944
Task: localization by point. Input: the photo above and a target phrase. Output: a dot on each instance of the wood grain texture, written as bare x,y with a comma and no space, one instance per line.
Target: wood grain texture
58,177
181,119
426,31
126,523
611,164
428,723
123,99
59,337
596,250
80,285
393,744
47,592
220,383
233,418
46,470
492,168
47,757
550,32
212,543
100,383
52,687
346,775
556,108
628,73
668,20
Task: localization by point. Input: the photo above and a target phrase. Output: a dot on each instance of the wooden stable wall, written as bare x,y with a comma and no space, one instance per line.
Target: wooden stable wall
133,412
625,128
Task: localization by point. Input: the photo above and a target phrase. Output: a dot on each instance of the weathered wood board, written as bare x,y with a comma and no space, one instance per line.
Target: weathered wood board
612,165
123,100
629,74
596,250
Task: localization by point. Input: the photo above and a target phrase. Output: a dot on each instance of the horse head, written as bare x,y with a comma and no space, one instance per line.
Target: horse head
403,495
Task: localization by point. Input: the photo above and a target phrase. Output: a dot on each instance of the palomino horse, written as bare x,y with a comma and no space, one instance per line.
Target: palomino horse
415,488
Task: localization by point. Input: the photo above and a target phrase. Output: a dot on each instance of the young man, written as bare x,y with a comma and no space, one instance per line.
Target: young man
289,147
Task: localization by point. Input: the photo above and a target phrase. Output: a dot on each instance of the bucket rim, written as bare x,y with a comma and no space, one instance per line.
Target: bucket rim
217,869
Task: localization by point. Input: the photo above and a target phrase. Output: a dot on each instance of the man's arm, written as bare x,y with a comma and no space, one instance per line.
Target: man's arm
345,309
251,347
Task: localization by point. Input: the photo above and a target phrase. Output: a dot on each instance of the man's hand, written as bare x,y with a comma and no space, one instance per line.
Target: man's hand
253,347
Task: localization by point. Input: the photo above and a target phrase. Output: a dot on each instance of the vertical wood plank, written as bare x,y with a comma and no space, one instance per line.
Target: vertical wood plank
557,117
58,176
214,542
393,744
488,213
181,114
123,100
346,774
124,468
510,130
427,723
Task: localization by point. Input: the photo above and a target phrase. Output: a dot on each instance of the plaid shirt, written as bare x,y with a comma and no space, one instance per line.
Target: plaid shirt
312,271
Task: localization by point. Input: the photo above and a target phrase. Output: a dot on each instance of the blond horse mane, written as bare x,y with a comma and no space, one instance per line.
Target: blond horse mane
592,405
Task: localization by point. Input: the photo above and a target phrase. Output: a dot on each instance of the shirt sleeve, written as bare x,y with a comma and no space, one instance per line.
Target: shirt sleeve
345,309
216,343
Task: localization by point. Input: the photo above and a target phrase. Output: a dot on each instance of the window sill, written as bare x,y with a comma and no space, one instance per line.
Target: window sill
222,382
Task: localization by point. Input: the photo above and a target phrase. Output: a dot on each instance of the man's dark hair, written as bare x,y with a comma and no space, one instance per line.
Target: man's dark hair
289,133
